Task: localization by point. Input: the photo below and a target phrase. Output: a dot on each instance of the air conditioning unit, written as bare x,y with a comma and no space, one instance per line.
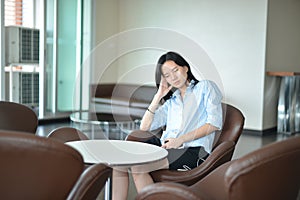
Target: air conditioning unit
25,87
22,45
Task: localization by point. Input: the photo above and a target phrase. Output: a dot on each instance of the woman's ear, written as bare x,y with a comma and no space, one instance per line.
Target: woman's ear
186,69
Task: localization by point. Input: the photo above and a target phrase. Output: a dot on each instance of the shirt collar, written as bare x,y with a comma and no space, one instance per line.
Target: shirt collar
188,89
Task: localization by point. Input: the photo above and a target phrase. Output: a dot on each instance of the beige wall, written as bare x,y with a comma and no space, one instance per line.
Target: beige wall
232,33
106,24
283,44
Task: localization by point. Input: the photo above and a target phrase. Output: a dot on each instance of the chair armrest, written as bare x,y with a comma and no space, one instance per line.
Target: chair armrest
221,154
172,191
91,182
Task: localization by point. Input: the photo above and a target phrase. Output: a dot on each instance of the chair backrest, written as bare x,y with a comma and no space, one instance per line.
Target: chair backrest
232,126
34,167
17,117
67,134
277,167
271,172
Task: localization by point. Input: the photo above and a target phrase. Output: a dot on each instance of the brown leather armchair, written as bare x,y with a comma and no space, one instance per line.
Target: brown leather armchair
34,167
67,134
17,117
271,172
222,151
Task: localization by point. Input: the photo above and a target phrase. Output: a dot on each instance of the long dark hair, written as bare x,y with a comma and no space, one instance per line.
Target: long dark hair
179,60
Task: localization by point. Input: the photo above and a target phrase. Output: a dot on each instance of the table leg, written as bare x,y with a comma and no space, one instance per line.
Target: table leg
107,129
93,131
108,193
289,105
297,104
121,128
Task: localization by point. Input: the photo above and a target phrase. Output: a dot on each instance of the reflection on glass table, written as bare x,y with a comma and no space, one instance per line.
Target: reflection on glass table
104,125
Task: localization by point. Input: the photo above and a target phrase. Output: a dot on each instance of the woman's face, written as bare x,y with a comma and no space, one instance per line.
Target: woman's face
174,74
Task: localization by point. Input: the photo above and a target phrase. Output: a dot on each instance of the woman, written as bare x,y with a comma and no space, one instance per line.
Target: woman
191,113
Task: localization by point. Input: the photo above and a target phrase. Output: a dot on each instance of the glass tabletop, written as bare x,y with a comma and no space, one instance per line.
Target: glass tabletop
102,118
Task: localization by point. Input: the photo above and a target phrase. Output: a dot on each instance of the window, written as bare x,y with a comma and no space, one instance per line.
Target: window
51,82
19,13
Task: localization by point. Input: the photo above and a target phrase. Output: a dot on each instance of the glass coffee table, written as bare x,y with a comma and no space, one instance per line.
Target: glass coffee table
104,125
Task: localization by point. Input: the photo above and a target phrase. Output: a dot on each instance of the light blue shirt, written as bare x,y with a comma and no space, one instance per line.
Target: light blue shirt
200,105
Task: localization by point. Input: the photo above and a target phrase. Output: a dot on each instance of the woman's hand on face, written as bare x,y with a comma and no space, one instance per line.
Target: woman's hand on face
164,88
172,143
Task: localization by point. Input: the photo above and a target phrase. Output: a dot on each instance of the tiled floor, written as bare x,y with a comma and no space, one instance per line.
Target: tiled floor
247,143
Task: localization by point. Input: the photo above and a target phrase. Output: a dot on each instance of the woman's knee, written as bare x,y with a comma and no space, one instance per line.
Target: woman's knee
147,168
119,173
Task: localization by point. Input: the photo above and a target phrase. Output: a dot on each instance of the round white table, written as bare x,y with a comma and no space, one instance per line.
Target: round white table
117,153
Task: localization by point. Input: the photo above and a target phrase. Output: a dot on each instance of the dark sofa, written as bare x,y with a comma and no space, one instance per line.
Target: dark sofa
121,98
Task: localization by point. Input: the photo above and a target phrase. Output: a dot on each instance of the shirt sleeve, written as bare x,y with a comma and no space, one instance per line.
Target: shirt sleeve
213,103
160,117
